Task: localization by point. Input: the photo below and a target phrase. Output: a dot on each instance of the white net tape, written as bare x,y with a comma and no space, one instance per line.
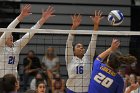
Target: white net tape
54,31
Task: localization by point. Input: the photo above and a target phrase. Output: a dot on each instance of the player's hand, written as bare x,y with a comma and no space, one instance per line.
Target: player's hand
25,11
46,14
76,20
115,44
97,17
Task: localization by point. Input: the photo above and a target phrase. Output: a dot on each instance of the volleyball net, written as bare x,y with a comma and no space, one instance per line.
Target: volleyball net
44,38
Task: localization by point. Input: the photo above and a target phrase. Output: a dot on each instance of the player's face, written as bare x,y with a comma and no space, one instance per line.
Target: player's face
9,41
41,88
79,50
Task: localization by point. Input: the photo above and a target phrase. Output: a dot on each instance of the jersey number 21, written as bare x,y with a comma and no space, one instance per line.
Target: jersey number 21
11,60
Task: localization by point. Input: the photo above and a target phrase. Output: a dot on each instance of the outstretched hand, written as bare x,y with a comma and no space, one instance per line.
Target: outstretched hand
46,14
76,20
115,44
25,11
97,17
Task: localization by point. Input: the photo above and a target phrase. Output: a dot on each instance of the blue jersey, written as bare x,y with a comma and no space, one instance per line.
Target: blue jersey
104,79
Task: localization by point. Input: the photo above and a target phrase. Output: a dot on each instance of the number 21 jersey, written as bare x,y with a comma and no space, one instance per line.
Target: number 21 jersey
104,79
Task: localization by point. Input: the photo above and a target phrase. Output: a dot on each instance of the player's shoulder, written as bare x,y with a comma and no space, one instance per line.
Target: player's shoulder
119,78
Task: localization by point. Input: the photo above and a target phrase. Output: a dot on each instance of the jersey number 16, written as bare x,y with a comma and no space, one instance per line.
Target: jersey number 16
79,69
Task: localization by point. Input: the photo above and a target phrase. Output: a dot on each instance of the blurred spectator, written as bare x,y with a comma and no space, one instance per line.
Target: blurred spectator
131,69
135,85
38,77
50,64
31,67
132,80
58,84
40,87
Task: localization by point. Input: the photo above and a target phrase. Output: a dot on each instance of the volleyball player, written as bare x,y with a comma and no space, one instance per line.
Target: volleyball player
104,77
9,50
78,62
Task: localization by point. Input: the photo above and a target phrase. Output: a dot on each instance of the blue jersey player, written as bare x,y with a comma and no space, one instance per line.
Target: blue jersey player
104,78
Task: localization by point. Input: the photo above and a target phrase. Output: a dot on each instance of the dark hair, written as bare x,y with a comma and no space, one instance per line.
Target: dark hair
31,51
8,83
39,82
115,59
76,44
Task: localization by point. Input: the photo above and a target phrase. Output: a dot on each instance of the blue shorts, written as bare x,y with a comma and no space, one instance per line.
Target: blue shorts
70,91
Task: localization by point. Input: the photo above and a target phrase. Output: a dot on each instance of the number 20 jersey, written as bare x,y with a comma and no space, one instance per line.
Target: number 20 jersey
104,79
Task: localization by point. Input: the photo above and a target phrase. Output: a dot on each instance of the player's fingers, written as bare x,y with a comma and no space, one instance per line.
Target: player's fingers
102,17
51,8
95,13
42,10
48,8
99,11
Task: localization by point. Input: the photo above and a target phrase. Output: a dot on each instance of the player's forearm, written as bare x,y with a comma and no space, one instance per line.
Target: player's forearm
96,27
73,27
20,17
14,23
105,53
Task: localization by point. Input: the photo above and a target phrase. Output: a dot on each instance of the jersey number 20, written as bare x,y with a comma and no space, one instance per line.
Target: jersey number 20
103,80
11,60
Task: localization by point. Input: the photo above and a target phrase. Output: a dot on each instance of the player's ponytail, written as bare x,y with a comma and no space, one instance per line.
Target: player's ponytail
127,59
115,59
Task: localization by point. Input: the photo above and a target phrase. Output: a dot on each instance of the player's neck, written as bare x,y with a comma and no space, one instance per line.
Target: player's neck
9,45
80,56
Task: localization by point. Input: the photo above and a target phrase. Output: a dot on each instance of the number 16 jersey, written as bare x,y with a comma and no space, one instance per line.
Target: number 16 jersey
104,79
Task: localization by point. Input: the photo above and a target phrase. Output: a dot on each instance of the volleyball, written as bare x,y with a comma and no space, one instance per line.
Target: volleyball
115,17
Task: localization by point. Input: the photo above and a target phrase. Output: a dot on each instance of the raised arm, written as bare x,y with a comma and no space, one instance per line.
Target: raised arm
76,20
45,16
114,46
24,12
92,45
